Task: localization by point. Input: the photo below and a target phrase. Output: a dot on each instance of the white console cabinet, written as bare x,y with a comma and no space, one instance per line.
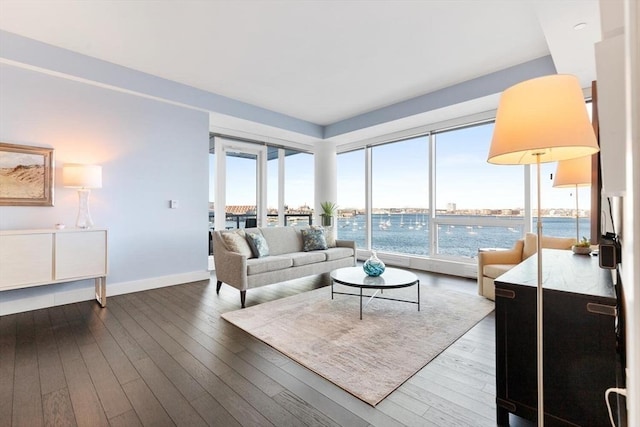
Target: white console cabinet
41,257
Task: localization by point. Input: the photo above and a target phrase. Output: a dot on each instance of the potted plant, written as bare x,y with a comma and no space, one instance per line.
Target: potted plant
329,210
583,247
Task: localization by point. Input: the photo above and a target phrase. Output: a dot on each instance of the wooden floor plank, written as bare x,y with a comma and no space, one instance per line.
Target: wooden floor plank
49,364
112,397
178,408
148,409
213,413
57,408
128,419
232,402
165,357
116,358
84,398
268,407
154,346
27,401
7,367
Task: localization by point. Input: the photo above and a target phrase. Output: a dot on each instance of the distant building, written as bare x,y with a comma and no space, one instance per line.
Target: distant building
451,207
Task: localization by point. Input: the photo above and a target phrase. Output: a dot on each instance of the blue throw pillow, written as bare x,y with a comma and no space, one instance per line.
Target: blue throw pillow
313,239
258,245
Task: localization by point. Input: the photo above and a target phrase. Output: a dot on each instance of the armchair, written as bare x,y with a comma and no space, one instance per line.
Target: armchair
495,263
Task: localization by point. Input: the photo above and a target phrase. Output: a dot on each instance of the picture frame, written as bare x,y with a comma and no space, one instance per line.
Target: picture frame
26,175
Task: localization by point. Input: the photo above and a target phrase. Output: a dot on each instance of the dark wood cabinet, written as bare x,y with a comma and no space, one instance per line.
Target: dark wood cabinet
579,340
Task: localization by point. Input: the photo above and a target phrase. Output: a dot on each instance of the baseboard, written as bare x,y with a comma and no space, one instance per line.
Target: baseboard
27,299
155,282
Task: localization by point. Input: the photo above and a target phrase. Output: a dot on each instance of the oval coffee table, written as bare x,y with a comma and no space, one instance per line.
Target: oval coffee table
392,278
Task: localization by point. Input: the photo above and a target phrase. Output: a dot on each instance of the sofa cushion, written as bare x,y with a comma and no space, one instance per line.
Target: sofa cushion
282,240
313,239
235,241
495,270
258,244
268,263
338,253
304,258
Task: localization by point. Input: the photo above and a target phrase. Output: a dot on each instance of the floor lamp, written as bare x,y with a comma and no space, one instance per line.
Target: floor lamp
574,173
538,121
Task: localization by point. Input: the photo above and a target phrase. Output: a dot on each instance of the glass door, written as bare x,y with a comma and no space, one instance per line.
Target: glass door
240,185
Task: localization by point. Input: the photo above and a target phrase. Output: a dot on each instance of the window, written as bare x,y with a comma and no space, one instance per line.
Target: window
351,197
400,196
477,204
299,187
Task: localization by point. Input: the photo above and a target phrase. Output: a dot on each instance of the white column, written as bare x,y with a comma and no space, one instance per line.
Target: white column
325,176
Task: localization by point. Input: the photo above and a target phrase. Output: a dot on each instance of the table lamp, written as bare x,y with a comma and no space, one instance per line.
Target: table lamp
541,120
84,178
574,173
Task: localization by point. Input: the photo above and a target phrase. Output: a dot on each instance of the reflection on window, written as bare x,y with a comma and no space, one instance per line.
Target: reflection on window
400,197
558,205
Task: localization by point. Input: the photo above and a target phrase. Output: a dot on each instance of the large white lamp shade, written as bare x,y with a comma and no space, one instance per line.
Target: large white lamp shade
541,120
82,177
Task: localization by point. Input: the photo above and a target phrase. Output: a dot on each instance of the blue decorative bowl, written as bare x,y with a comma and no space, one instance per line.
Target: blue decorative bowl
373,266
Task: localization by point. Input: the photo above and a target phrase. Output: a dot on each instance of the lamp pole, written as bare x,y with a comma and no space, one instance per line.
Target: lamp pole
539,323
577,218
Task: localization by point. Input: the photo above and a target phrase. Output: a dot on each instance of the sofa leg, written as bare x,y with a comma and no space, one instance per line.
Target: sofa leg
218,286
243,297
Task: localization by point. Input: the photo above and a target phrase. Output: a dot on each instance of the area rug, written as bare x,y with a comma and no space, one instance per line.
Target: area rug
368,358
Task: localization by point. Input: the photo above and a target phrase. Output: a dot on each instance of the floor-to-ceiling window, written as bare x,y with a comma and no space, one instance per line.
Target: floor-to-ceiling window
400,196
298,187
478,204
351,197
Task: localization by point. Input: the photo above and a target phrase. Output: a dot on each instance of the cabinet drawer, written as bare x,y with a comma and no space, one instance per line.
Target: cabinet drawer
81,254
25,260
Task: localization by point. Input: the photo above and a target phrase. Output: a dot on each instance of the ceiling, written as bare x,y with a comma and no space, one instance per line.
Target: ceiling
319,61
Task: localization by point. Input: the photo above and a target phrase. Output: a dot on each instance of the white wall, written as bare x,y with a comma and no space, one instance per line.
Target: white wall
150,152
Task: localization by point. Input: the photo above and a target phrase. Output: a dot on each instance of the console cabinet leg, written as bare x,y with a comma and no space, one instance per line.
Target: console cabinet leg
218,286
101,290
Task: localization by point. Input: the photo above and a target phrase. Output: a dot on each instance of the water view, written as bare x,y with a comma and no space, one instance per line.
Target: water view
410,234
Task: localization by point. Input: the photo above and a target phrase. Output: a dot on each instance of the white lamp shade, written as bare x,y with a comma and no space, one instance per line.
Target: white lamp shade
82,176
572,172
543,118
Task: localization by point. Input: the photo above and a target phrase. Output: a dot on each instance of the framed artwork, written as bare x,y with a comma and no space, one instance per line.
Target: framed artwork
26,175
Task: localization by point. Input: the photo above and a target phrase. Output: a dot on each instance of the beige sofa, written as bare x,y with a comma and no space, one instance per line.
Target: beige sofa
492,264
286,259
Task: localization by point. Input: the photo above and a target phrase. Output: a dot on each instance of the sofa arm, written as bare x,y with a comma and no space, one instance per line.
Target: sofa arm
231,267
349,244
509,256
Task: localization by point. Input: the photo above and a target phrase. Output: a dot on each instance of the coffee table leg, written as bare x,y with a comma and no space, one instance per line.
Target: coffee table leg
418,285
331,288
360,303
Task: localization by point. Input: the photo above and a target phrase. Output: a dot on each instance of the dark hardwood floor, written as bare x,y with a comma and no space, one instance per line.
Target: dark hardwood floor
164,357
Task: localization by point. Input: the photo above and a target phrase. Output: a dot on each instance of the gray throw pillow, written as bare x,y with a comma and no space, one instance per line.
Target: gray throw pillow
258,245
313,239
